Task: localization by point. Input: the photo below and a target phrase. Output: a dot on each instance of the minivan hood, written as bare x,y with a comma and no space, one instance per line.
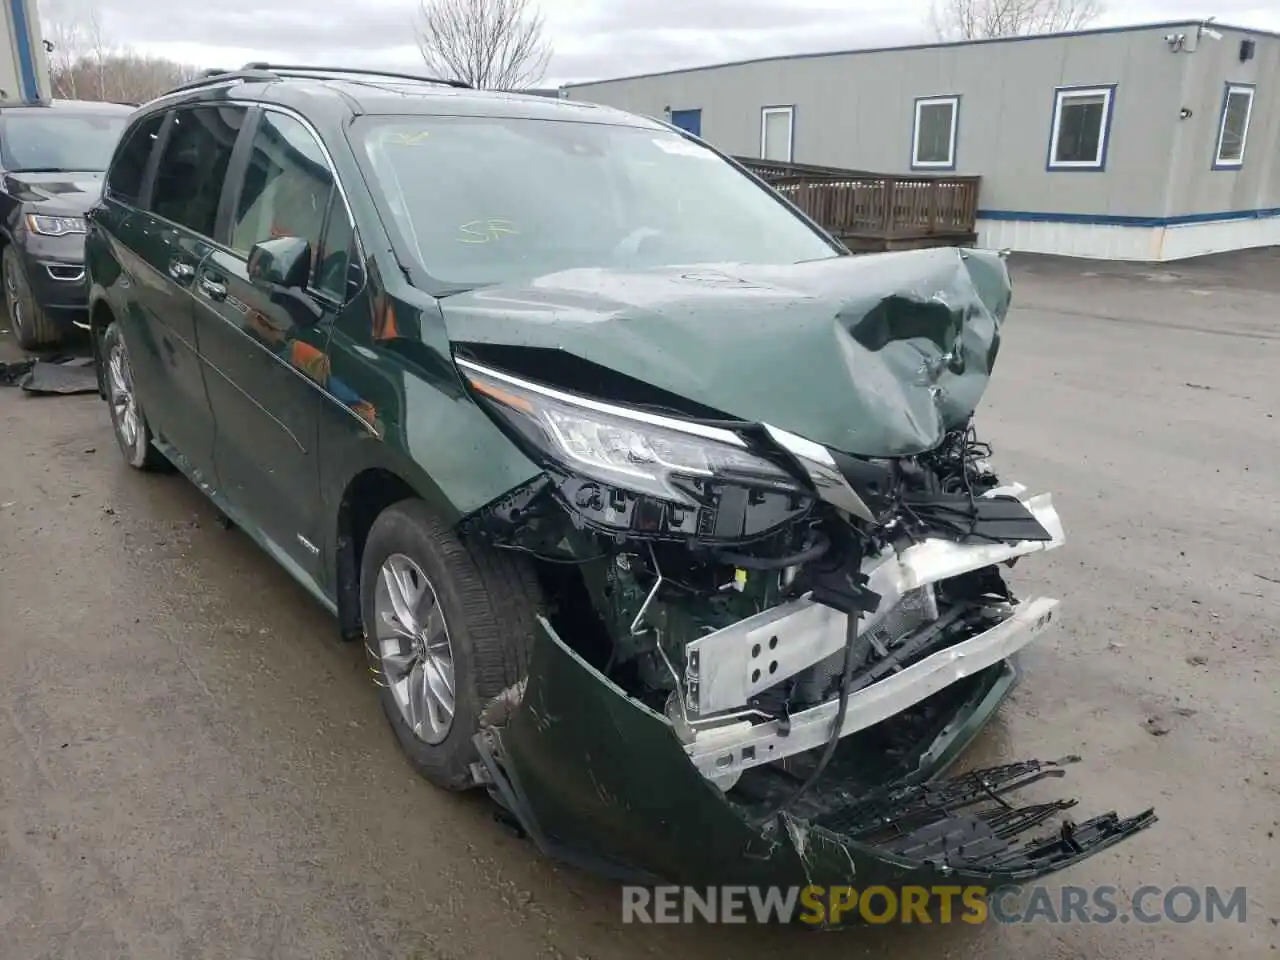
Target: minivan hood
876,355
60,193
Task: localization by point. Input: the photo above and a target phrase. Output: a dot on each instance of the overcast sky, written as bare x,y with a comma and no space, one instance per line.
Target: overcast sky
592,39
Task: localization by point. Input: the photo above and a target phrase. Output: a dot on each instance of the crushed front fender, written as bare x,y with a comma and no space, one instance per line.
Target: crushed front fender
596,778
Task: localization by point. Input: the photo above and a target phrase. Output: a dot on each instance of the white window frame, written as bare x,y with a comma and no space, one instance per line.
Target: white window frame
1060,95
1233,88
950,162
790,111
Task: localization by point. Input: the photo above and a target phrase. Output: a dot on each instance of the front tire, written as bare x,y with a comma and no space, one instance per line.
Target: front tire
128,422
448,626
33,328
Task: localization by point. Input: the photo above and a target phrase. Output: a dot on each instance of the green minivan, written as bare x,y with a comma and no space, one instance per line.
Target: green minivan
662,518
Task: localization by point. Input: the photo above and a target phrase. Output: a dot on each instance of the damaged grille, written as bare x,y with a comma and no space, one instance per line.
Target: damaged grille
916,609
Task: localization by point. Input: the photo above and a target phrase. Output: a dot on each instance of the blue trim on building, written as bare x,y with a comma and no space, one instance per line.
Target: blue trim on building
955,131
1127,28
22,44
1109,220
1058,92
1222,123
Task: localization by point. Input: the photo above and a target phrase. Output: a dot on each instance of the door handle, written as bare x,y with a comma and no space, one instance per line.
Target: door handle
213,289
181,271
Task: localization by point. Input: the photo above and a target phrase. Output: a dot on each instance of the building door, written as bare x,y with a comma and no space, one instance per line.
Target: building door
690,120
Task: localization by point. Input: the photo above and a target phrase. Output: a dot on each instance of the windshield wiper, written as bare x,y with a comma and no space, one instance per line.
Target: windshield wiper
52,170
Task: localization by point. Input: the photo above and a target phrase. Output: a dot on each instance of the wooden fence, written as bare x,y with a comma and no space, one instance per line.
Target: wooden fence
877,211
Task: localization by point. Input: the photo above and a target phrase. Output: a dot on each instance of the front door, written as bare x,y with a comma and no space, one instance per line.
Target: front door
266,350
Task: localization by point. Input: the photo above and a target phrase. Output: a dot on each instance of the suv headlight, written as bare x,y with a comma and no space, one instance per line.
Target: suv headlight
54,226
626,447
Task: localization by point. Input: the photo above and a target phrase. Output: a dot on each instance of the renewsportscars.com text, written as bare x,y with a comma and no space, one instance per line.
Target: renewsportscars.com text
818,905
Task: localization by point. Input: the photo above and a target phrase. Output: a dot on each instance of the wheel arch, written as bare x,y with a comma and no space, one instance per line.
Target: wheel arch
364,498
101,316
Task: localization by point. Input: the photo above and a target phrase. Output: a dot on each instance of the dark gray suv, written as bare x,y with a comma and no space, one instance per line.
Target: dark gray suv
52,160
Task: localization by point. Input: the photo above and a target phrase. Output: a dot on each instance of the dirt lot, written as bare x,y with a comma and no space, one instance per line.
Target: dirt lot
191,766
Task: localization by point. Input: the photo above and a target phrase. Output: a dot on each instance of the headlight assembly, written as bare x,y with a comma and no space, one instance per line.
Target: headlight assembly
54,226
622,446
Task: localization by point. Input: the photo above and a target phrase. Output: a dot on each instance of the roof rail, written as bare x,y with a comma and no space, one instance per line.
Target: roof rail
296,70
208,78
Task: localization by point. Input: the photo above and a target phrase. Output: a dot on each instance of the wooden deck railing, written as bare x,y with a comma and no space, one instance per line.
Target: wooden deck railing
877,211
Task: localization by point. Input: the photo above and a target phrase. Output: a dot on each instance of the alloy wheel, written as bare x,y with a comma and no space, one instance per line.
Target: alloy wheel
124,403
414,648
13,294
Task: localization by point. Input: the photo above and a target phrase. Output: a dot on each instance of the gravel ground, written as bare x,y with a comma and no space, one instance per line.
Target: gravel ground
193,767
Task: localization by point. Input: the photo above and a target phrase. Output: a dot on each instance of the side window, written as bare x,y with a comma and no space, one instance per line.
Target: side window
124,181
189,177
289,191
334,262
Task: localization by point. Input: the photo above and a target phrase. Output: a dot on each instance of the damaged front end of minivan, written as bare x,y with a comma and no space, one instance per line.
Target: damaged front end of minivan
775,557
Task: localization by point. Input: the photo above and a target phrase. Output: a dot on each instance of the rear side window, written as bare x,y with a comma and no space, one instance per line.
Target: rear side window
191,171
124,181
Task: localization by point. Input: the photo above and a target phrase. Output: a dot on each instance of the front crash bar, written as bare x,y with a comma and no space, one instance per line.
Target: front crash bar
725,669
721,752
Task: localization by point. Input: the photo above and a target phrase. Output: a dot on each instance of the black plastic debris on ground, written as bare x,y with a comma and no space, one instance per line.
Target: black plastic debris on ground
57,375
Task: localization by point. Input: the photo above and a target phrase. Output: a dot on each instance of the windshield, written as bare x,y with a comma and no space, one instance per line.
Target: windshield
49,139
485,200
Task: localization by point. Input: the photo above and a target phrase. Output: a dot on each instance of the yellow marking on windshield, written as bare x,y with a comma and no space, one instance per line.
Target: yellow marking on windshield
486,231
405,139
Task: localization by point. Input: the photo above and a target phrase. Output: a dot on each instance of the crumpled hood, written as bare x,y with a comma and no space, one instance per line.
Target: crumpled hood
60,194
874,355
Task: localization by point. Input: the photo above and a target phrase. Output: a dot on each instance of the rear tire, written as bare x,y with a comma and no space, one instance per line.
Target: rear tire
33,328
474,623
128,421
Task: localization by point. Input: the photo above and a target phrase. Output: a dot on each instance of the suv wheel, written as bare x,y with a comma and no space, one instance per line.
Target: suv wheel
127,419
32,326
448,627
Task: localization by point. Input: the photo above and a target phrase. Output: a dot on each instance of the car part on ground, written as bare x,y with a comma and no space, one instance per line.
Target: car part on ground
51,375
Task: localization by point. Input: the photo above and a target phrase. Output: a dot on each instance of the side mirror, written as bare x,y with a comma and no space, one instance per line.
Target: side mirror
282,263
282,267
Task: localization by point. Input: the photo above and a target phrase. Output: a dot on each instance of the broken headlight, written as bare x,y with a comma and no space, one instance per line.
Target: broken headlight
624,447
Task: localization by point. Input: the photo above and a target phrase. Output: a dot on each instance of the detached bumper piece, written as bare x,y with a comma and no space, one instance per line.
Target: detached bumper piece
969,823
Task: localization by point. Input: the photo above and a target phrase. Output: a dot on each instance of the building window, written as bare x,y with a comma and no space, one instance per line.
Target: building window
933,144
1081,127
1233,128
777,133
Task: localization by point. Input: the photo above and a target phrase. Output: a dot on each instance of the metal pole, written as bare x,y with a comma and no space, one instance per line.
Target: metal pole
30,59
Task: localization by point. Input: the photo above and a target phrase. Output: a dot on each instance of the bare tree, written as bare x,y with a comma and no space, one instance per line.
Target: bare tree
983,19
84,65
491,44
